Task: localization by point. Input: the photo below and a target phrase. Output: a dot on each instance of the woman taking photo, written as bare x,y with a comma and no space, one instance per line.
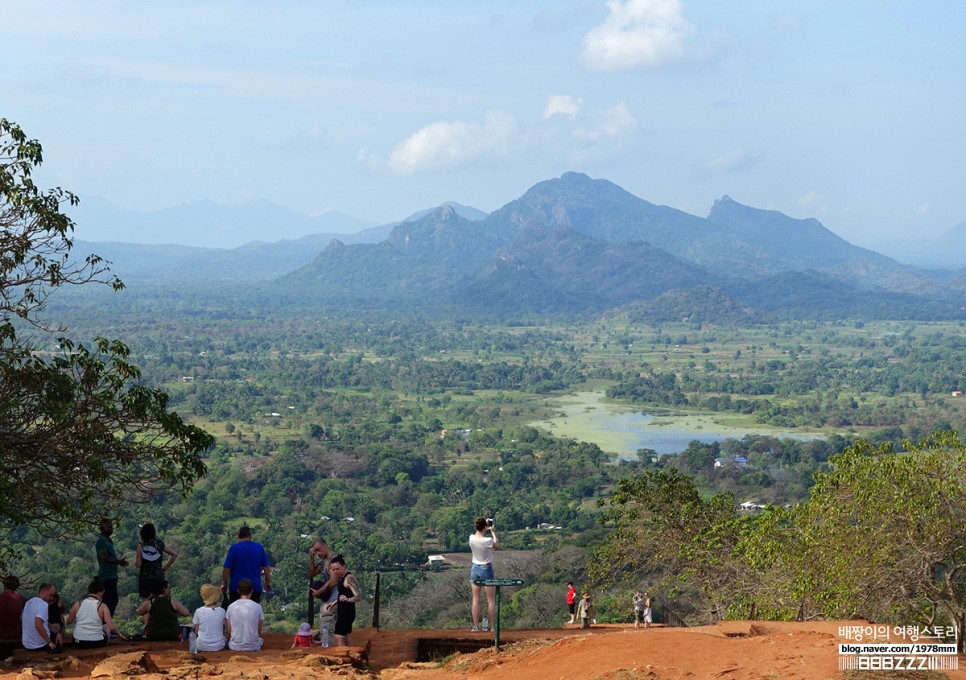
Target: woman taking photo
482,547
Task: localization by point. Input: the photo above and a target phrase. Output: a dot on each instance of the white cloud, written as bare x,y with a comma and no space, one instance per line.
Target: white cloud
809,199
616,121
922,209
637,34
788,22
562,104
446,144
734,160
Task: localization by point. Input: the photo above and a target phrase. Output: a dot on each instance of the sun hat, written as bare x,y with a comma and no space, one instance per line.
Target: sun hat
211,595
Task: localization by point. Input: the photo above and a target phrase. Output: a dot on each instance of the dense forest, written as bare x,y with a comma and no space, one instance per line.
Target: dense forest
386,431
389,436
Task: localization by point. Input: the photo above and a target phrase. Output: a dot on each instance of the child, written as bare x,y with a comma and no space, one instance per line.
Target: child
303,638
209,621
585,611
638,609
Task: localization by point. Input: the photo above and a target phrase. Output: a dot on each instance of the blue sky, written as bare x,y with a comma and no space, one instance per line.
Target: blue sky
849,112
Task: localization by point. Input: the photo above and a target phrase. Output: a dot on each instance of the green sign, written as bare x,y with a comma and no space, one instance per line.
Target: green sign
499,582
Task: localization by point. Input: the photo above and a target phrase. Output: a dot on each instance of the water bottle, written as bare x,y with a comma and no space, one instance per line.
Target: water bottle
192,642
486,624
325,635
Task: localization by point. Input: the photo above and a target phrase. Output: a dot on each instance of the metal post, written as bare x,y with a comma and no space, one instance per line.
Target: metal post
496,624
375,605
497,582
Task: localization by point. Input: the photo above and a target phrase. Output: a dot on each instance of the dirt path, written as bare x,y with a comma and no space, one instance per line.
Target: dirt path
738,650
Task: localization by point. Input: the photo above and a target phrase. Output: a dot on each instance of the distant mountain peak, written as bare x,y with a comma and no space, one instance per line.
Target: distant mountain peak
464,211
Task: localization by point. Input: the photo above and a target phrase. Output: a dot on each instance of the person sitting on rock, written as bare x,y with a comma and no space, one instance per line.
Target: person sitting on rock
11,607
93,625
35,633
162,612
209,620
245,618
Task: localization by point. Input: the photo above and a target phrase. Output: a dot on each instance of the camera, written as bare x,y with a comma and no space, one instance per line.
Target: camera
489,521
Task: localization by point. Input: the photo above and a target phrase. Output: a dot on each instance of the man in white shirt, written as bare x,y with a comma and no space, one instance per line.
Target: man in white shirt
245,618
35,632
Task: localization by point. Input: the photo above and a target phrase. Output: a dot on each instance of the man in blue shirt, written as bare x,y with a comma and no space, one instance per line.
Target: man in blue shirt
246,559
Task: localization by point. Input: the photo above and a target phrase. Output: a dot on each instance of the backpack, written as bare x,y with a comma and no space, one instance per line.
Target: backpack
151,552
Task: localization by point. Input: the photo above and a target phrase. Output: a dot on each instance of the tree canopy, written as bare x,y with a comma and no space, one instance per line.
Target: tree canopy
881,537
78,433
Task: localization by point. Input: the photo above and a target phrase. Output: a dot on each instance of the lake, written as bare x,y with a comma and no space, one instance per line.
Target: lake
622,430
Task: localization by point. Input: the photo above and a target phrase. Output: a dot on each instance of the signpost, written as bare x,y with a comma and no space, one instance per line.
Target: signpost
498,582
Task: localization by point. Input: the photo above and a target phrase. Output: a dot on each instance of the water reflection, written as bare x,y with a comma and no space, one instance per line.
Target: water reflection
622,430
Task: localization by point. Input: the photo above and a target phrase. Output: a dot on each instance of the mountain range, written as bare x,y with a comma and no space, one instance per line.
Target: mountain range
572,244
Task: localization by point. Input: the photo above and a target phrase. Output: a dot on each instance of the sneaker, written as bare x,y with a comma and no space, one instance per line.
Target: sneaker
474,629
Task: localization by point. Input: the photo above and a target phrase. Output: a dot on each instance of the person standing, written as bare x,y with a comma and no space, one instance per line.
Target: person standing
149,560
323,586
585,610
35,634
92,620
107,563
571,601
246,559
11,607
245,618
482,547
638,609
349,594
646,612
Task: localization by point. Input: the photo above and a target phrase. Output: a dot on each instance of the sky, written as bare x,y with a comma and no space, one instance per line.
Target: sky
848,112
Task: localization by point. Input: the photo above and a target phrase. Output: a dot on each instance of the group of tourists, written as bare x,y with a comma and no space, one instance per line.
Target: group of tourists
583,611
230,617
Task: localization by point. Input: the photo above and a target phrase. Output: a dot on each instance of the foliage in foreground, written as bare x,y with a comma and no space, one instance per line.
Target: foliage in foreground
881,537
78,434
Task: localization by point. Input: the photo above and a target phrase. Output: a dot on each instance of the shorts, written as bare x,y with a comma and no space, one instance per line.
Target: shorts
343,624
146,586
481,572
572,608
638,616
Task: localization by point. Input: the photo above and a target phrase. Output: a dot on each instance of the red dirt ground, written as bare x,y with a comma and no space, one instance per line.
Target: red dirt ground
735,650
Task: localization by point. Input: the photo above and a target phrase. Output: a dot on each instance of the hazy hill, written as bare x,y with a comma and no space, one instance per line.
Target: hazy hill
580,244
575,271
947,251
204,224
151,247
254,261
570,244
